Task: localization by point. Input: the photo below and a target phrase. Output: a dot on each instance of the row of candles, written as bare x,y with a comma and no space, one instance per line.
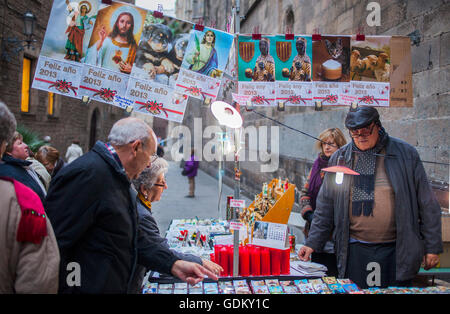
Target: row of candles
253,260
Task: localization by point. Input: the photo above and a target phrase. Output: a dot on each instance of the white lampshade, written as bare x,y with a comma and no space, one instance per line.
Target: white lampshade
226,114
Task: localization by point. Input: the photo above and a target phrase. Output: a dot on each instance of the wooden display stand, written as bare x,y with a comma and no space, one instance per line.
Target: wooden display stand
281,210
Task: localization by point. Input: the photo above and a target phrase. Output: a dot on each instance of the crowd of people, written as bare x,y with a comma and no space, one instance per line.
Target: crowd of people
86,218
95,211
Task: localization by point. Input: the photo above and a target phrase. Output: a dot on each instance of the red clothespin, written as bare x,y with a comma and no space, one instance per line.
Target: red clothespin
256,34
159,13
289,35
107,2
360,34
316,36
199,26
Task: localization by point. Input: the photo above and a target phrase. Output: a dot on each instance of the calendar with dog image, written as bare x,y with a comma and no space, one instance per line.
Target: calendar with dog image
370,59
370,71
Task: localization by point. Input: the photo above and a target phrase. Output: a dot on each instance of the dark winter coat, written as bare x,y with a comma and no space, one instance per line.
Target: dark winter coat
93,213
15,168
417,212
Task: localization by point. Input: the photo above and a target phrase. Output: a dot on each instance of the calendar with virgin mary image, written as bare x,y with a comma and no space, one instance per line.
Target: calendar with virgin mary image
204,63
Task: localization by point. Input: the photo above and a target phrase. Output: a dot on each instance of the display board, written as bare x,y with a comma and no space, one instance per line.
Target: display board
124,55
302,70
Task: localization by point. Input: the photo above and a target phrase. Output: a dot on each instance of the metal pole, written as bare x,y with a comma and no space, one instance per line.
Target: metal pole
237,19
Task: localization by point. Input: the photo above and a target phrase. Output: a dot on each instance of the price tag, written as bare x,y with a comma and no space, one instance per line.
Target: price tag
237,203
236,225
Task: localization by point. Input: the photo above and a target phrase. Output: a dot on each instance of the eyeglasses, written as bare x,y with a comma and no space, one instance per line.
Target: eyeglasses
153,158
363,132
163,184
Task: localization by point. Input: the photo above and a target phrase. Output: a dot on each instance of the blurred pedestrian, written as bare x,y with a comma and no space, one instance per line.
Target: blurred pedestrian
73,151
190,170
92,206
330,141
50,158
39,168
29,256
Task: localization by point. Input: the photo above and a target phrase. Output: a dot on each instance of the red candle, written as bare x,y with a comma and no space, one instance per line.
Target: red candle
230,259
217,248
275,259
244,261
223,261
265,262
255,261
285,262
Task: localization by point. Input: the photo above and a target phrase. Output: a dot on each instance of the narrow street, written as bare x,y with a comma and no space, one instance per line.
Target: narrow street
174,204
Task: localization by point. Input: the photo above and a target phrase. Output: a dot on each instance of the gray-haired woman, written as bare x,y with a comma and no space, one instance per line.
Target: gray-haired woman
150,185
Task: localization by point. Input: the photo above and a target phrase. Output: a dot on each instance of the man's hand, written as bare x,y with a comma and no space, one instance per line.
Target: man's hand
305,253
430,261
211,266
191,273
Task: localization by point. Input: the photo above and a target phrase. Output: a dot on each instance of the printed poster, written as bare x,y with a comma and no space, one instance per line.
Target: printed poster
256,70
370,71
204,63
64,47
161,50
331,68
293,70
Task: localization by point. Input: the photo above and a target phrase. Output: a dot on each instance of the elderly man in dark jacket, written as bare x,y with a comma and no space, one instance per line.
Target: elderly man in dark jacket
93,211
386,221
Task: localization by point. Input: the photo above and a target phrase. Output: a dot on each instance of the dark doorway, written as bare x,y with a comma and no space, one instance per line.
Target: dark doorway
93,130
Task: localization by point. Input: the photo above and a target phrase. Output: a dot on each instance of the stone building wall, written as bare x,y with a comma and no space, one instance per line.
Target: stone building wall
425,125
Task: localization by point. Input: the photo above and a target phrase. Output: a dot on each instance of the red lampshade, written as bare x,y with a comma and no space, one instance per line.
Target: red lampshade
342,169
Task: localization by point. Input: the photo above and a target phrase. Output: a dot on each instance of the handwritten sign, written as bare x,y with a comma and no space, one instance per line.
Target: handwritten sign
237,203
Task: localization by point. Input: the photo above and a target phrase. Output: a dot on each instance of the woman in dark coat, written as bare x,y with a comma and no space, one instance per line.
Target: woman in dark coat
150,185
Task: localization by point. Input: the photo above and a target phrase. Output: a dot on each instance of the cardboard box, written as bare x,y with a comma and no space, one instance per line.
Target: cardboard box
401,72
444,258
445,228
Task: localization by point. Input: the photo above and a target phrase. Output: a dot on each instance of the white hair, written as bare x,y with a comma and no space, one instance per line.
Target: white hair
149,176
7,124
128,130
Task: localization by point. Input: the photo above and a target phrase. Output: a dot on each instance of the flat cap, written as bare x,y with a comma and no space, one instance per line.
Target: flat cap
361,117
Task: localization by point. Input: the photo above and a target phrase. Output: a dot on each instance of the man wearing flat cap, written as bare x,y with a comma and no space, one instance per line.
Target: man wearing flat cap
385,221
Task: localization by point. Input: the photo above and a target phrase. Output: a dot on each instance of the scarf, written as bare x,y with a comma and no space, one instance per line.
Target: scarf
363,185
32,225
146,203
315,179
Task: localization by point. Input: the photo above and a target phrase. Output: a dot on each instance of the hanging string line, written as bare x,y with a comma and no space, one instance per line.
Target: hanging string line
318,139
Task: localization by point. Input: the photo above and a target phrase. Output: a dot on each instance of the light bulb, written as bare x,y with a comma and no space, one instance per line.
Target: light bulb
339,177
